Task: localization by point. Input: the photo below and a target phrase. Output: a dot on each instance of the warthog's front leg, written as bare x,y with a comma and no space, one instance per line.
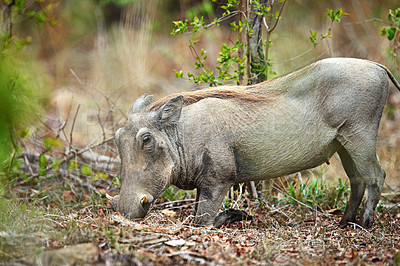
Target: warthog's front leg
209,199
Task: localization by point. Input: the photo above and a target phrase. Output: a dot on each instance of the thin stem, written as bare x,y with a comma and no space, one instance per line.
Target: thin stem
277,19
72,127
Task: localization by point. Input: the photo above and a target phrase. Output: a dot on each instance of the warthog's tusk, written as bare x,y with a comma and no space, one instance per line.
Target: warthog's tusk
144,199
109,197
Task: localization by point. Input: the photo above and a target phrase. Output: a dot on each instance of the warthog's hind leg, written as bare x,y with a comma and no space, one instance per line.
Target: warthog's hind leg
362,166
375,183
357,185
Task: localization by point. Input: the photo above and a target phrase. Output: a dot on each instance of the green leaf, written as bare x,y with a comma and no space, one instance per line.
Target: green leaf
23,133
397,13
234,26
50,143
56,164
336,15
42,164
41,17
42,161
313,37
72,165
390,16
181,27
391,32
86,170
383,31
178,74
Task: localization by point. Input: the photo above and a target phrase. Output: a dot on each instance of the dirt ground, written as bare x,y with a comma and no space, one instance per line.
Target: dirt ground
288,234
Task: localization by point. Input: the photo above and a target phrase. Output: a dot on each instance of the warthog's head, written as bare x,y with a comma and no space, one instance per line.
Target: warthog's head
148,157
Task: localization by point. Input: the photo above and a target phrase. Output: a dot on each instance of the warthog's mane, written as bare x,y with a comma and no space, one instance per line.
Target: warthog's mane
245,94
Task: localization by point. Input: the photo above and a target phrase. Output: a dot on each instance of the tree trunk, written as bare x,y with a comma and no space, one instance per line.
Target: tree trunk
7,19
257,57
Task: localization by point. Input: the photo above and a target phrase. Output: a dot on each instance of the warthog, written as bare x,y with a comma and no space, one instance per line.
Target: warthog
214,138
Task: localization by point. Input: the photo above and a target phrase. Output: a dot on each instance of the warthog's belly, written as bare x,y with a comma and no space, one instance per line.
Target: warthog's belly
275,149
282,162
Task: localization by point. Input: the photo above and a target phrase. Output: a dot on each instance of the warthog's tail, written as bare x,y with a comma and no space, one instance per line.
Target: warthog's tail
392,78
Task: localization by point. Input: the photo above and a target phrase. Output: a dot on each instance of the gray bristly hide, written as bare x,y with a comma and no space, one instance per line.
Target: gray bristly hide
215,138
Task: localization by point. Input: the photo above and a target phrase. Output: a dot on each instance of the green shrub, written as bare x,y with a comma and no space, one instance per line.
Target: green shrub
22,90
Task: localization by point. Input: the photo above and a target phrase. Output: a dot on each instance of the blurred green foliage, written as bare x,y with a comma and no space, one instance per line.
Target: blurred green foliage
204,7
36,12
22,80
23,85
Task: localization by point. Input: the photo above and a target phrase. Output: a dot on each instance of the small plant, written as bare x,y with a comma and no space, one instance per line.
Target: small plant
173,193
317,193
334,16
20,81
392,31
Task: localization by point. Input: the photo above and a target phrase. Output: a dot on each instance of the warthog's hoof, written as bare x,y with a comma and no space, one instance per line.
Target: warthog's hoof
230,216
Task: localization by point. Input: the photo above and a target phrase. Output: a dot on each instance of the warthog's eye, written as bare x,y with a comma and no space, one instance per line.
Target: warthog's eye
147,143
145,140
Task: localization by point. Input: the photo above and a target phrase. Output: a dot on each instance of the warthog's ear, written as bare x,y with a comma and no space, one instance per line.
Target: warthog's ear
141,103
170,112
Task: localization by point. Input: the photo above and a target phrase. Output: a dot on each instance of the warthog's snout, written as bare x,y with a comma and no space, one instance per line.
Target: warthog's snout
134,208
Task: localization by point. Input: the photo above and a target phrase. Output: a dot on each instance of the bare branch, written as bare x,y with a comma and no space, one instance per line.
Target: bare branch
73,125
70,155
367,21
111,102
